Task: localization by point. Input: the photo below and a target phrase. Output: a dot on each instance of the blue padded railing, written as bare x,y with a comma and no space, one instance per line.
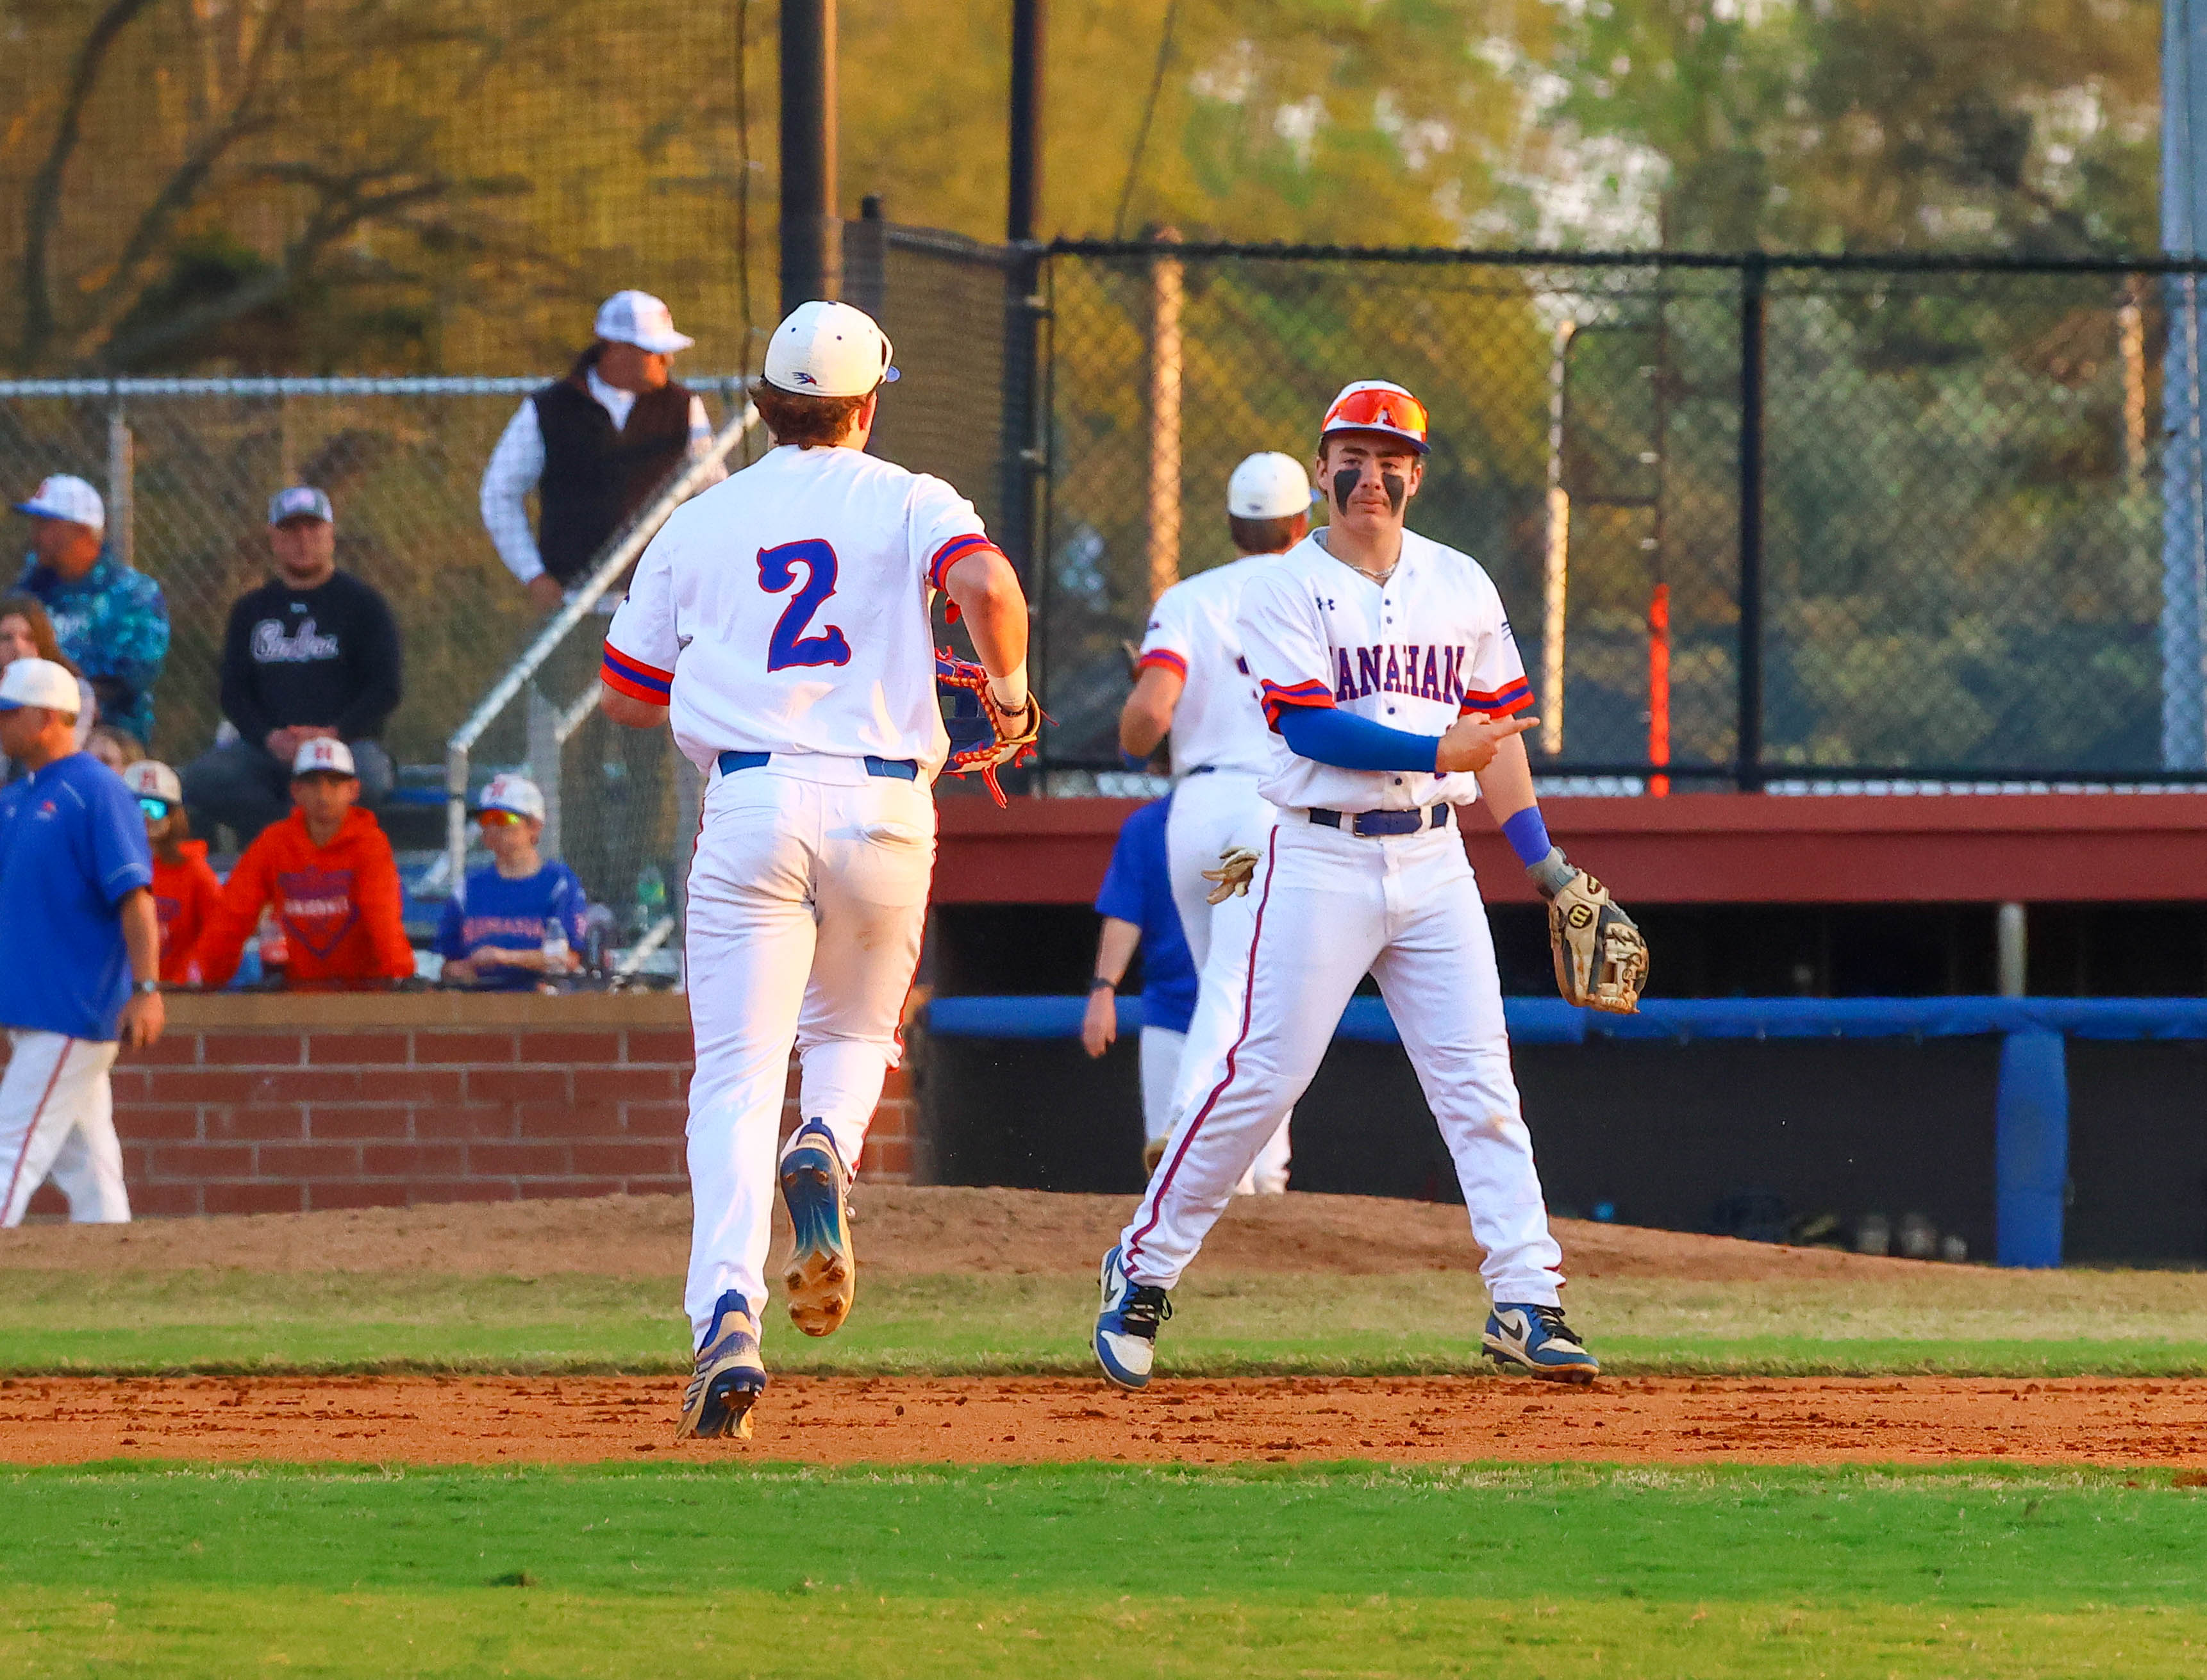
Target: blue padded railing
2031,1145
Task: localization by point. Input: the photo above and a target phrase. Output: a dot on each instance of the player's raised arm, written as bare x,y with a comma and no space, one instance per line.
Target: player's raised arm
986,592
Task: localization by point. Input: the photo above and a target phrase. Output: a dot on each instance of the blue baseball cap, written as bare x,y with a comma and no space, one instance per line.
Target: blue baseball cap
300,501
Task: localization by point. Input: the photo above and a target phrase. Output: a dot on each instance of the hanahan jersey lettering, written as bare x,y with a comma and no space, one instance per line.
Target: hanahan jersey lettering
1422,670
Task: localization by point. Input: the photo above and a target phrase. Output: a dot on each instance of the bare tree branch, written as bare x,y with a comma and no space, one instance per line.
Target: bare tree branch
43,212
248,116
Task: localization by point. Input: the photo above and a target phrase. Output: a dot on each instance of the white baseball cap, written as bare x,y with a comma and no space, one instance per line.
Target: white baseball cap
1377,405
150,779
637,318
301,502
515,793
66,496
323,755
828,350
38,682
1270,486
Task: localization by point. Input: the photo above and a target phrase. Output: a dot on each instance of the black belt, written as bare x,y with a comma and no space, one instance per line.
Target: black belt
1371,824
904,769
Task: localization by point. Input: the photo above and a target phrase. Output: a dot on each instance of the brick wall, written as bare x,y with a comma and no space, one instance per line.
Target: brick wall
257,1104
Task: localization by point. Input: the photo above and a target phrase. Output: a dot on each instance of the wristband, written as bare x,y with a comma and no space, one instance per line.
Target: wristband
1133,761
1011,689
1100,984
1528,835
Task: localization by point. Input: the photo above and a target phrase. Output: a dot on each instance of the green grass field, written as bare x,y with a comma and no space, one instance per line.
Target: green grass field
1967,1324
1080,1569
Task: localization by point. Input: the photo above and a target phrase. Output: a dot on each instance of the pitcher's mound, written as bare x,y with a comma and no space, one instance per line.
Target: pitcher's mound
901,1229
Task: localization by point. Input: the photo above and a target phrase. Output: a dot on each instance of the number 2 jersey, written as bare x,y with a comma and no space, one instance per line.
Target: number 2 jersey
1415,654
786,609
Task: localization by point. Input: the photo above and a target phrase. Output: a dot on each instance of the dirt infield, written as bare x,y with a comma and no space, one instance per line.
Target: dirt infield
906,1231
979,1420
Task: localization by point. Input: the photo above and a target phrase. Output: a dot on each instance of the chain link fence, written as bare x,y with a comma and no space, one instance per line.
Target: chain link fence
1764,522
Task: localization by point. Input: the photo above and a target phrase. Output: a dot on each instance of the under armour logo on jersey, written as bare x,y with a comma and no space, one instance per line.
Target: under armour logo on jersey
1327,602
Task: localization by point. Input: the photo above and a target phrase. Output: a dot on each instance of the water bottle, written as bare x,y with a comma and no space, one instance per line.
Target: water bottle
555,946
275,951
650,898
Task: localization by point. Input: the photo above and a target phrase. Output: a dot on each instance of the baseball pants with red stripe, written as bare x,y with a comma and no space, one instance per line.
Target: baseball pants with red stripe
1210,813
57,1120
808,897
1330,907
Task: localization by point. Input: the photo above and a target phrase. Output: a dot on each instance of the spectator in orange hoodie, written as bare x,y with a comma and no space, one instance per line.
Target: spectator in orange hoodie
327,873
184,888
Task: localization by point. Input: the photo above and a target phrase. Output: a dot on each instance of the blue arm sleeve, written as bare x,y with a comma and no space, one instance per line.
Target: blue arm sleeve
1330,736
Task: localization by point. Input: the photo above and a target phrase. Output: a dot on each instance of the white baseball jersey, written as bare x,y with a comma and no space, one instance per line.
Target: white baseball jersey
786,609
1415,654
1192,632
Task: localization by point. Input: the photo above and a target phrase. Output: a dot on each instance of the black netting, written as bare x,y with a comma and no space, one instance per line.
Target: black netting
1962,500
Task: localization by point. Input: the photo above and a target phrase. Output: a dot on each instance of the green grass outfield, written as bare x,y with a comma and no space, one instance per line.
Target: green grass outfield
1084,1569
1972,1322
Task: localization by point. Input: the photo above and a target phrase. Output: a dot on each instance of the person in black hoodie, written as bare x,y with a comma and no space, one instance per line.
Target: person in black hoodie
312,652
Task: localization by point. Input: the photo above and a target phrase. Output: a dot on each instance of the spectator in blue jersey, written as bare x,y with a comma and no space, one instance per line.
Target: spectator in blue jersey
112,622
1136,903
519,923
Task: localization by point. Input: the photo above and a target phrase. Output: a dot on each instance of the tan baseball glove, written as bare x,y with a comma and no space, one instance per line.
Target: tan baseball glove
1601,960
1237,865
984,735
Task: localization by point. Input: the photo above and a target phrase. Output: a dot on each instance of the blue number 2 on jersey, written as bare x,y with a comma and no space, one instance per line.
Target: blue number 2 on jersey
789,645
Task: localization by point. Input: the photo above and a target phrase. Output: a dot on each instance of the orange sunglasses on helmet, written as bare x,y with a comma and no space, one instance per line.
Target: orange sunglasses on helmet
1375,405
497,819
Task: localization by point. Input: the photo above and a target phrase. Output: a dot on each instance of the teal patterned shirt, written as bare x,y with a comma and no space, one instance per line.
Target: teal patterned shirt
114,623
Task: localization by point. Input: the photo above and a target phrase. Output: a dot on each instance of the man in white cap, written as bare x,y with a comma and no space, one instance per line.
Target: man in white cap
76,876
595,447
780,621
1192,680
110,620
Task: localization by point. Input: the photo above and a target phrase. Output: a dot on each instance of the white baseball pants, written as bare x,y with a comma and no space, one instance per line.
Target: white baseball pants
1163,1056
1210,812
1161,1049
808,896
57,1120
1328,907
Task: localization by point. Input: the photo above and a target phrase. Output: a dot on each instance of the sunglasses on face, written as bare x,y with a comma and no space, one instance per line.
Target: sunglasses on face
498,819
1386,410
155,809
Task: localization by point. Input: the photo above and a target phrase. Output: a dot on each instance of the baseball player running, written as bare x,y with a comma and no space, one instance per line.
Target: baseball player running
1194,682
781,619
1388,672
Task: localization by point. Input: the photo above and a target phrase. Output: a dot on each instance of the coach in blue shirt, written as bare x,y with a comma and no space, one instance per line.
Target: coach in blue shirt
1136,903
76,877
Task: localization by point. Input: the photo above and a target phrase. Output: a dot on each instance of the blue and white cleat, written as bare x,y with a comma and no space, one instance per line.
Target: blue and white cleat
1127,1325
1535,1339
822,1278
729,1376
